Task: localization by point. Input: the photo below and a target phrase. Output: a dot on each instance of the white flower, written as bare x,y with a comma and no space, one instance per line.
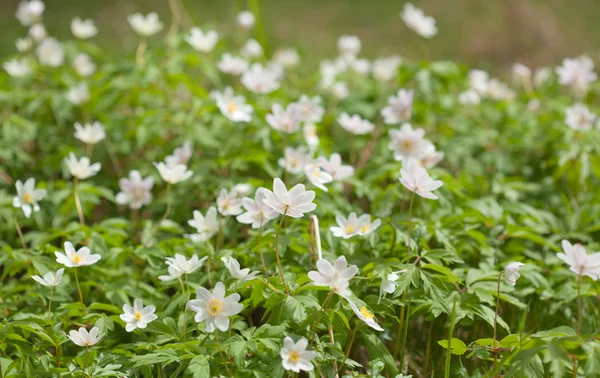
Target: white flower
346,228
295,357
511,272
206,226
179,266
336,276
309,131
417,180
90,133
241,190
245,19
84,66
499,90
521,72
385,69
316,176
541,75
73,259
81,168
135,190
228,203
38,32
23,44
349,45
533,105
430,157
366,227
30,12
339,90
79,94
201,41
579,117
287,120
407,143
85,339
233,65
287,57
17,67
361,66
479,81
214,308
173,174
294,203
83,29
399,107
137,316
365,315
257,212
469,97
578,73
252,49
233,107
28,196
145,26
415,19
234,269
181,155
311,108
579,261
335,168
389,284
49,278
260,80
50,53
355,124
294,159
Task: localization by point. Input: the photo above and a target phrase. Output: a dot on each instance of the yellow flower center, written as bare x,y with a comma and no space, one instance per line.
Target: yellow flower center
28,198
214,307
349,229
137,315
294,356
365,228
407,144
366,313
232,107
76,258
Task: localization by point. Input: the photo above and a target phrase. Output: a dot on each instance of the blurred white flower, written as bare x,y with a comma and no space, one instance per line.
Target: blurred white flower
417,180
579,261
206,226
385,69
241,190
252,49
407,142
145,26
81,168
337,276
339,90
335,168
179,265
430,157
84,339
79,94
579,117
257,212
499,90
469,97
349,45
347,227
137,316
511,272
233,65
541,75
399,107
234,269
173,174
38,32
416,20
202,41
83,29
233,107
90,133
577,73
30,12
311,108
136,191
294,203
479,81
73,259
50,53
49,278
260,80
214,308
287,120
287,57
521,72
181,155
17,67
245,19
367,227
228,203
365,315
294,159
309,131
23,44
295,357
355,124
533,105
84,66
361,66
28,196
316,176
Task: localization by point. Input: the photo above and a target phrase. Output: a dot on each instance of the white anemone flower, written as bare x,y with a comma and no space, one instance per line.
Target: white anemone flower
81,168
17,67
90,133
136,191
50,279
287,120
83,29
28,196
407,143
366,226
206,226
337,276
179,265
23,44
236,272
335,168
202,41
173,174
347,227
38,32
79,94
84,339
579,261
50,53
228,203
294,159
294,203
317,176
511,272
30,12
365,315
137,316
311,108
287,57
577,73
257,212
233,65
73,259
579,117
232,106
295,357
245,19
355,124
416,20
417,180
252,49
309,131
261,80
399,107
145,26
214,308
349,45
84,66
181,155
385,69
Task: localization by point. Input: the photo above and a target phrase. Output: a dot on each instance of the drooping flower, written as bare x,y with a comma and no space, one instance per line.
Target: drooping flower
30,12
407,143
317,176
294,203
214,308
233,65
389,284
83,29
252,49
337,276
145,26
73,259
416,20
294,159
173,174
347,227
287,120
84,339
181,155
79,94
399,107
365,315
28,196
385,69
579,261
81,168
137,316
49,278
84,66
355,124
135,190
579,117
245,19
179,265
236,272
206,226
89,133
260,80
233,106
50,53
228,203
257,212
295,357
349,45
511,272
202,41
335,168
17,67
417,180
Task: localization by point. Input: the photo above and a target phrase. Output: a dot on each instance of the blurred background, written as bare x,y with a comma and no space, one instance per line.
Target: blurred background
489,34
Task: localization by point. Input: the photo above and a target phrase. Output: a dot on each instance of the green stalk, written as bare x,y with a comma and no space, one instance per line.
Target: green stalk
448,354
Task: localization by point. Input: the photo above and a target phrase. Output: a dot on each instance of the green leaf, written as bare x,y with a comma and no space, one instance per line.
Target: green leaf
377,349
457,346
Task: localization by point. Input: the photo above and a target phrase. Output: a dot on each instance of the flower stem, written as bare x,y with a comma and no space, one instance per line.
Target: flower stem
168,210
208,266
79,290
175,19
18,227
277,253
579,304
400,328
85,358
220,235
324,308
262,257
113,159
348,348
221,352
88,149
139,53
78,202
50,302
448,354
412,198
495,322
185,307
